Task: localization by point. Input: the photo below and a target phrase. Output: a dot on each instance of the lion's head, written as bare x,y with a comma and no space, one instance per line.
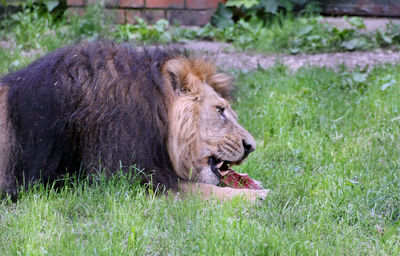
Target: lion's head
205,136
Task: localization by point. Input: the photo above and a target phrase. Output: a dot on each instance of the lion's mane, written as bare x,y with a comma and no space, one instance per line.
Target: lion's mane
91,105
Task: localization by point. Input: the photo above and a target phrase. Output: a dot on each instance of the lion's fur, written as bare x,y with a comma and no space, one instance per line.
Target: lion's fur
6,142
190,74
109,105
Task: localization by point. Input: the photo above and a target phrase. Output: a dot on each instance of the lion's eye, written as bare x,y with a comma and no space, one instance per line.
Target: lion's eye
220,110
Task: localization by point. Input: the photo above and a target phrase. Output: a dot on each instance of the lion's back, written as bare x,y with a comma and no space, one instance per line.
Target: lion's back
85,103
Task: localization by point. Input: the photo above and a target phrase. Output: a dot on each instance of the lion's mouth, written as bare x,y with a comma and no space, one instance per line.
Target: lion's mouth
219,166
228,177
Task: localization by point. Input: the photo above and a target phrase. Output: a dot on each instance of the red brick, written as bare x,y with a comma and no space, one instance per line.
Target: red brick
111,3
151,16
75,11
189,17
117,15
75,2
131,3
202,4
120,16
132,15
165,4
120,19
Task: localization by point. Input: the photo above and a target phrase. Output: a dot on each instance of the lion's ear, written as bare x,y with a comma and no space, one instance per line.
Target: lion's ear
172,71
177,72
176,83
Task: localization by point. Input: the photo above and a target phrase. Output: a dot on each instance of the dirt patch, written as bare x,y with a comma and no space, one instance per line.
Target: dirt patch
226,57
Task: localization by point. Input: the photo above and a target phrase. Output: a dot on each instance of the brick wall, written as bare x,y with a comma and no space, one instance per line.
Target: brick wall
186,12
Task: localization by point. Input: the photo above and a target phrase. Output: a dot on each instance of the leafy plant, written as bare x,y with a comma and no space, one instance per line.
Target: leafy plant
184,34
390,36
355,81
90,25
51,5
245,3
37,26
357,22
222,17
290,34
270,25
243,34
161,32
30,25
235,10
142,32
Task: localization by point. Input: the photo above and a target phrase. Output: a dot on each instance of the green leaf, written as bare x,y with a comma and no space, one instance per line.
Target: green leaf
392,82
304,30
360,77
386,37
51,5
132,238
222,18
246,3
294,50
356,22
286,4
355,43
270,6
314,38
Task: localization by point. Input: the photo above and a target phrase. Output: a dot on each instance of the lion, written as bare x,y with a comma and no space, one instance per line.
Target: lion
105,104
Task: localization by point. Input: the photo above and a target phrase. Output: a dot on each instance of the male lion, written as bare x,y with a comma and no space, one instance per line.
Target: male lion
165,112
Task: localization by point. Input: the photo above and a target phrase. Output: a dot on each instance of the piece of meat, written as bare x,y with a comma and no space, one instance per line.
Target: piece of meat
239,180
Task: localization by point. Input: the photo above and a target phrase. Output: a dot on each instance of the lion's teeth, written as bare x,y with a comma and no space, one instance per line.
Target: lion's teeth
220,164
223,173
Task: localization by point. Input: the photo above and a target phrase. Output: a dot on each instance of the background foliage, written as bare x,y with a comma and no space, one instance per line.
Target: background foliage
272,26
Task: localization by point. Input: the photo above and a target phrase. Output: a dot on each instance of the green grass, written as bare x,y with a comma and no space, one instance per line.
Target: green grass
328,148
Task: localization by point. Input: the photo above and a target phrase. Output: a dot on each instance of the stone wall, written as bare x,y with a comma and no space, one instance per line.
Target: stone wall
378,8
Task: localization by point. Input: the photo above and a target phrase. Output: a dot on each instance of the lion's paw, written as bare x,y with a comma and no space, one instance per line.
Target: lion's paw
262,194
253,195
258,183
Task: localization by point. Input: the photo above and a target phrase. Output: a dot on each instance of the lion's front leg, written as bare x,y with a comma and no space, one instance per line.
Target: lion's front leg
208,191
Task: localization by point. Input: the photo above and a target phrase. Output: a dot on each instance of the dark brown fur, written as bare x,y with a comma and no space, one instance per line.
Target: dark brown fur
91,105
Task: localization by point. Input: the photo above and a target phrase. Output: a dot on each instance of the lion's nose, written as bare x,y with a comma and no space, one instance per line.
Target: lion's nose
248,148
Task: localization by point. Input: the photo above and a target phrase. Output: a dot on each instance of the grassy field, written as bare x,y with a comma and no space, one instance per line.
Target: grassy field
328,148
